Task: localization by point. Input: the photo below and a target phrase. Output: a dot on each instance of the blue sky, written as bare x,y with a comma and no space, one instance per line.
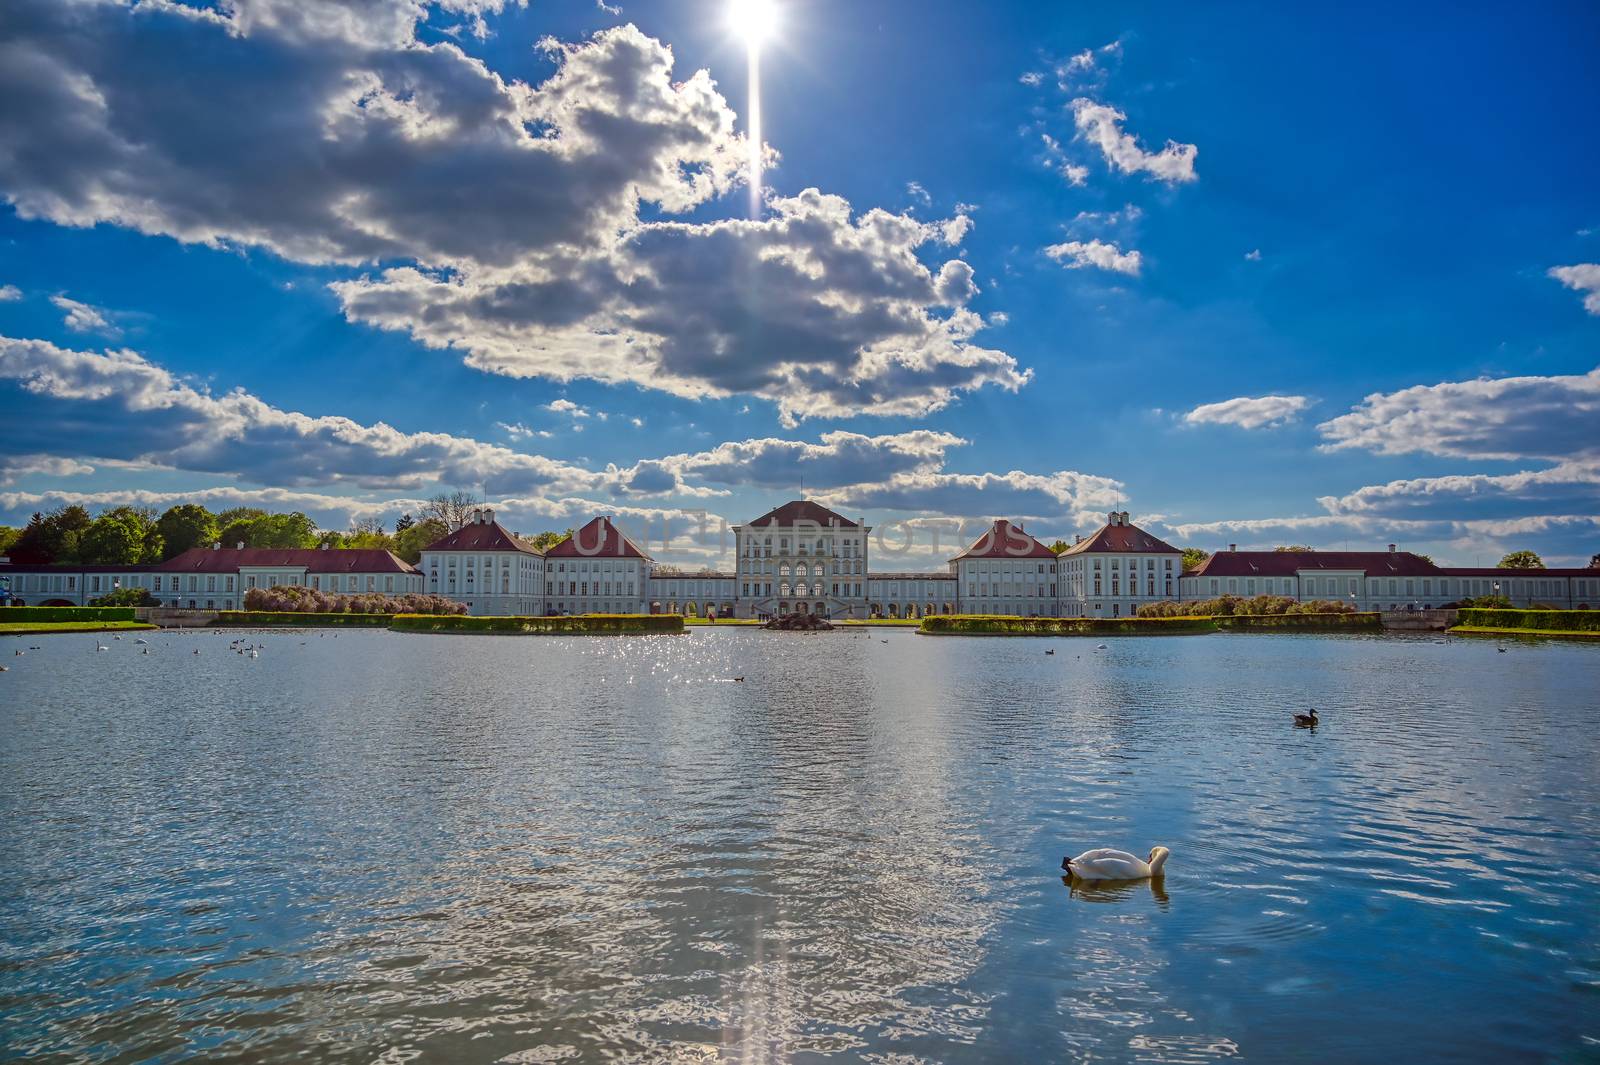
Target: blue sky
1256,274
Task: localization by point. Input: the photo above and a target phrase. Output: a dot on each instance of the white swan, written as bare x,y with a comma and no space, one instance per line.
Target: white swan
1104,863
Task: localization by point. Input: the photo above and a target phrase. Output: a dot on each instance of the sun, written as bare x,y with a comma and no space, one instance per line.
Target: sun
753,21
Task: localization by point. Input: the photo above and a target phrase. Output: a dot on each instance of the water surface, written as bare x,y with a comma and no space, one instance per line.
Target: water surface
376,846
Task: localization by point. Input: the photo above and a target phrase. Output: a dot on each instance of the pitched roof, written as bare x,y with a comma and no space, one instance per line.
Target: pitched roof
1289,563
1498,571
1005,540
482,536
71,567
598,539
312,560
1122,538
799,510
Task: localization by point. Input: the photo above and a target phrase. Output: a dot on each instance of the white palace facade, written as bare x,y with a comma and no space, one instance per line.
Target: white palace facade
803,557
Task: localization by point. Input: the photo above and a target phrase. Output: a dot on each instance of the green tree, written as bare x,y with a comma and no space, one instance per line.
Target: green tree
1594,561
405,522
1521,560
546,540
1059,546
8,536
125,597
409,542
233,514
52,537
271,530
122,536
1193,557
185,526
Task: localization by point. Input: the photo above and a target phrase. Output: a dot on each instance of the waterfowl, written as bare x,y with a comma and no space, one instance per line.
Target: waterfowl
5,669
1101,647
1106,864
1049,652
738,680
1307,720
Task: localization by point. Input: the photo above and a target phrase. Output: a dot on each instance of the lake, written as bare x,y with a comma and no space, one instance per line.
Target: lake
380,847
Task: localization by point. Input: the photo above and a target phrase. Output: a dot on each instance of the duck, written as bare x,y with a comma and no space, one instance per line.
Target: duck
1307,720
738,680
1103,863
1049,652
1101,647
255,654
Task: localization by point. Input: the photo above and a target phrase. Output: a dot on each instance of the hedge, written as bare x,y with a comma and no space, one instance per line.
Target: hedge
1348,621
600,624
17,614
1001,625
1564,620
305,620
998,625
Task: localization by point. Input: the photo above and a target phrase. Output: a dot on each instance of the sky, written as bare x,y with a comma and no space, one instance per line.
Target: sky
1258,274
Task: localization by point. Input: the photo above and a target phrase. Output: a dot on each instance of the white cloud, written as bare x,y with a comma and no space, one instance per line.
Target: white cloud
1249,412
1061,496
824,313
1490,418
10,293
84,318
1074,254
1254,256
1582,277
513,209
566,406
1566,488
1077,176
14,467
1101,125
915,190
1032,79
118,404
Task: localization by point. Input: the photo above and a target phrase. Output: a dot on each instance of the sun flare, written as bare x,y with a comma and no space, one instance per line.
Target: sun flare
753,21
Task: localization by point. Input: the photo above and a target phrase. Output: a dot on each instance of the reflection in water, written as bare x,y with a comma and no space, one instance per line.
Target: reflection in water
1117,890
472,849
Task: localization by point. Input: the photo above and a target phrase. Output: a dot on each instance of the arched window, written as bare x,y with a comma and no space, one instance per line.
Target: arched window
801,570
783,589
801,591
783,569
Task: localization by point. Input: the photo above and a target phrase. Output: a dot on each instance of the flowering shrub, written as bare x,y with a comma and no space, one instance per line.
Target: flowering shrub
291,598
1231,605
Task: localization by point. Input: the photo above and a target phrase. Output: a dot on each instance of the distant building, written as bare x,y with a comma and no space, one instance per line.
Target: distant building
1382,580
596,570
217,578
1118,569
486,567
1006,571
804,558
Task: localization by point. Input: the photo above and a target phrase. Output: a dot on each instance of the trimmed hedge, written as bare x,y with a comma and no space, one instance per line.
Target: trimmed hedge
18,614
1346,622
304,620
46,628
581,624
1564,620
999,625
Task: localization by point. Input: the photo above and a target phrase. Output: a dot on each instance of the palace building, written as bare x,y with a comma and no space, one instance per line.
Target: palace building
803,557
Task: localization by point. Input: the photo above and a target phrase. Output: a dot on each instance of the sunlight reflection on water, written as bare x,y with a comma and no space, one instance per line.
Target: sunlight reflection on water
549,849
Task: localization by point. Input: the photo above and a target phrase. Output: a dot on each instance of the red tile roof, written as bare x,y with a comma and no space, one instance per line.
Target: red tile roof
1289,563
482,536
598,539
1124,539
799,510
1498,572
1005,540
312,560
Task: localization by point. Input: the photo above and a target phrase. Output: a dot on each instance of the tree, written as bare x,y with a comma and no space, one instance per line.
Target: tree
52,537
1193,557
453,508
409,542
271,530
1059,546
546,540
8,536
126,597
122,536
1295,547
233,514
186,526
405,522
1522,560
1594,561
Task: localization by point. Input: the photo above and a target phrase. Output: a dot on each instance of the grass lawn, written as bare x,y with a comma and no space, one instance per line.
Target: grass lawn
1485,630
44,628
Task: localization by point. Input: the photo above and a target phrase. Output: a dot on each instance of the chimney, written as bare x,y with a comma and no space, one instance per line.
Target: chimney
1077,538
488,516
1391,549
1124,517
239,546
216,547
1233,547
1111,519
